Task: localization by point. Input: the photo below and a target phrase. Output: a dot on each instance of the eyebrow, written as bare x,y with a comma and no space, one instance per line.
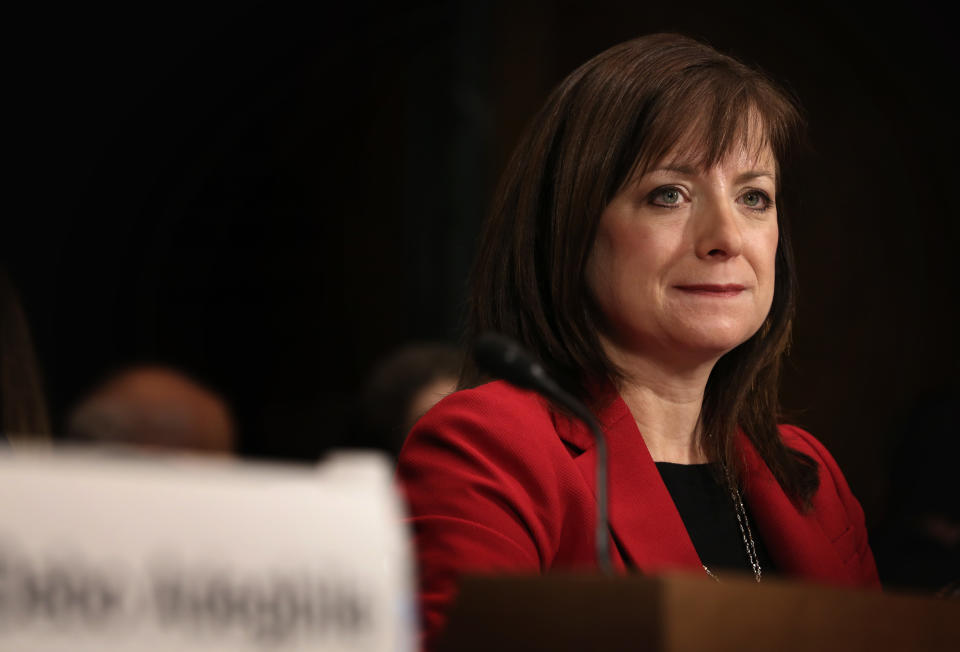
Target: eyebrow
753,174
682,169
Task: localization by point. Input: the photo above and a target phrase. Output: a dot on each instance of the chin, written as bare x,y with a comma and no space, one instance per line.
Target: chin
715,343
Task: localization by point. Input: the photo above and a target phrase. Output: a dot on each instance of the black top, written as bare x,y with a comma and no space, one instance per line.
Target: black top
708,513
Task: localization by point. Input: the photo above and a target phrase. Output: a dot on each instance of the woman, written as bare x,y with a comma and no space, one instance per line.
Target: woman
638,249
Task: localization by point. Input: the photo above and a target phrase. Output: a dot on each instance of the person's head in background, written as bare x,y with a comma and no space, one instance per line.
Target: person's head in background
154,407
401,388
23,408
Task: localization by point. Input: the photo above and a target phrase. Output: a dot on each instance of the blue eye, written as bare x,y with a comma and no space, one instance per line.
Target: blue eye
756,200
668,196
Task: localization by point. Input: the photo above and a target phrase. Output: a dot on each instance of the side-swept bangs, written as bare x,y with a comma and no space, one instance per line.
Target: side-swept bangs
707,114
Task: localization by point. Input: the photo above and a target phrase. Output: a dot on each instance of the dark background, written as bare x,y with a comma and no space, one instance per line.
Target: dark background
273,196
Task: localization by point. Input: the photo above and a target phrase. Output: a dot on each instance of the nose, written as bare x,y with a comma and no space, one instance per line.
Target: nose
717,231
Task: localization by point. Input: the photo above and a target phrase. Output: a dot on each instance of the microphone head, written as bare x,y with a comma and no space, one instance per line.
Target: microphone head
501,357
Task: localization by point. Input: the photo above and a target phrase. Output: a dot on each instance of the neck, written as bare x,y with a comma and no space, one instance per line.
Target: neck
665,403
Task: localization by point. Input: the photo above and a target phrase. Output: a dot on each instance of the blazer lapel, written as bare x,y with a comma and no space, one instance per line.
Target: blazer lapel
795,540
644,521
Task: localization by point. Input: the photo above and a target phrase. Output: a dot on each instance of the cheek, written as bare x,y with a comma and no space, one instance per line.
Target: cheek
597,269
773,239
629,259
766,264
607,269
619,262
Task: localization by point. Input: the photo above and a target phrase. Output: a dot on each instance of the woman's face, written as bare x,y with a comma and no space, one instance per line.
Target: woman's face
682,267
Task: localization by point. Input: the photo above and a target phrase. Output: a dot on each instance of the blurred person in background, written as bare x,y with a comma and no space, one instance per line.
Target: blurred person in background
401,388
23,407
154,407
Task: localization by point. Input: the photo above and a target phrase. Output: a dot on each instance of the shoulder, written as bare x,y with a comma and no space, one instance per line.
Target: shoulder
495,436
493,415
487,465
800,440
830,474
494,443
494,398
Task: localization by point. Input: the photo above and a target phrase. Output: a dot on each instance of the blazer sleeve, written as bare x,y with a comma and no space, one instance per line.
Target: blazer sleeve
834,498
480,476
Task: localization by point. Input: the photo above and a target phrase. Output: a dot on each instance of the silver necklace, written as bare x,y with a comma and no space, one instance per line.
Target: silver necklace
745,532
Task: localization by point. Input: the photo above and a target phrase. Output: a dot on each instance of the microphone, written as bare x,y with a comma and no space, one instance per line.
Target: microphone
501,357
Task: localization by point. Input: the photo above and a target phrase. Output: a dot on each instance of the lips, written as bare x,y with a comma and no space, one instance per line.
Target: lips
713,290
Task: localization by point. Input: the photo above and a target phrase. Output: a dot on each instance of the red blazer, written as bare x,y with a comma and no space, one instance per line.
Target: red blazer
496,481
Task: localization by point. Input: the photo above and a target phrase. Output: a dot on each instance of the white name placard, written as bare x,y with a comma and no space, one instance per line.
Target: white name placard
121,553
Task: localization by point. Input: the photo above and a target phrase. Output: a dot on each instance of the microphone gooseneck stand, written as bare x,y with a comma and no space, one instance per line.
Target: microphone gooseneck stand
503,358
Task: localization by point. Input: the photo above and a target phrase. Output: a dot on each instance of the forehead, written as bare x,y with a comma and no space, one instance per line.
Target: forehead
757,156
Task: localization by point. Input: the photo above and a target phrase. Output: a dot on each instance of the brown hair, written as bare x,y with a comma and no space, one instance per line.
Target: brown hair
604,125
23,409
